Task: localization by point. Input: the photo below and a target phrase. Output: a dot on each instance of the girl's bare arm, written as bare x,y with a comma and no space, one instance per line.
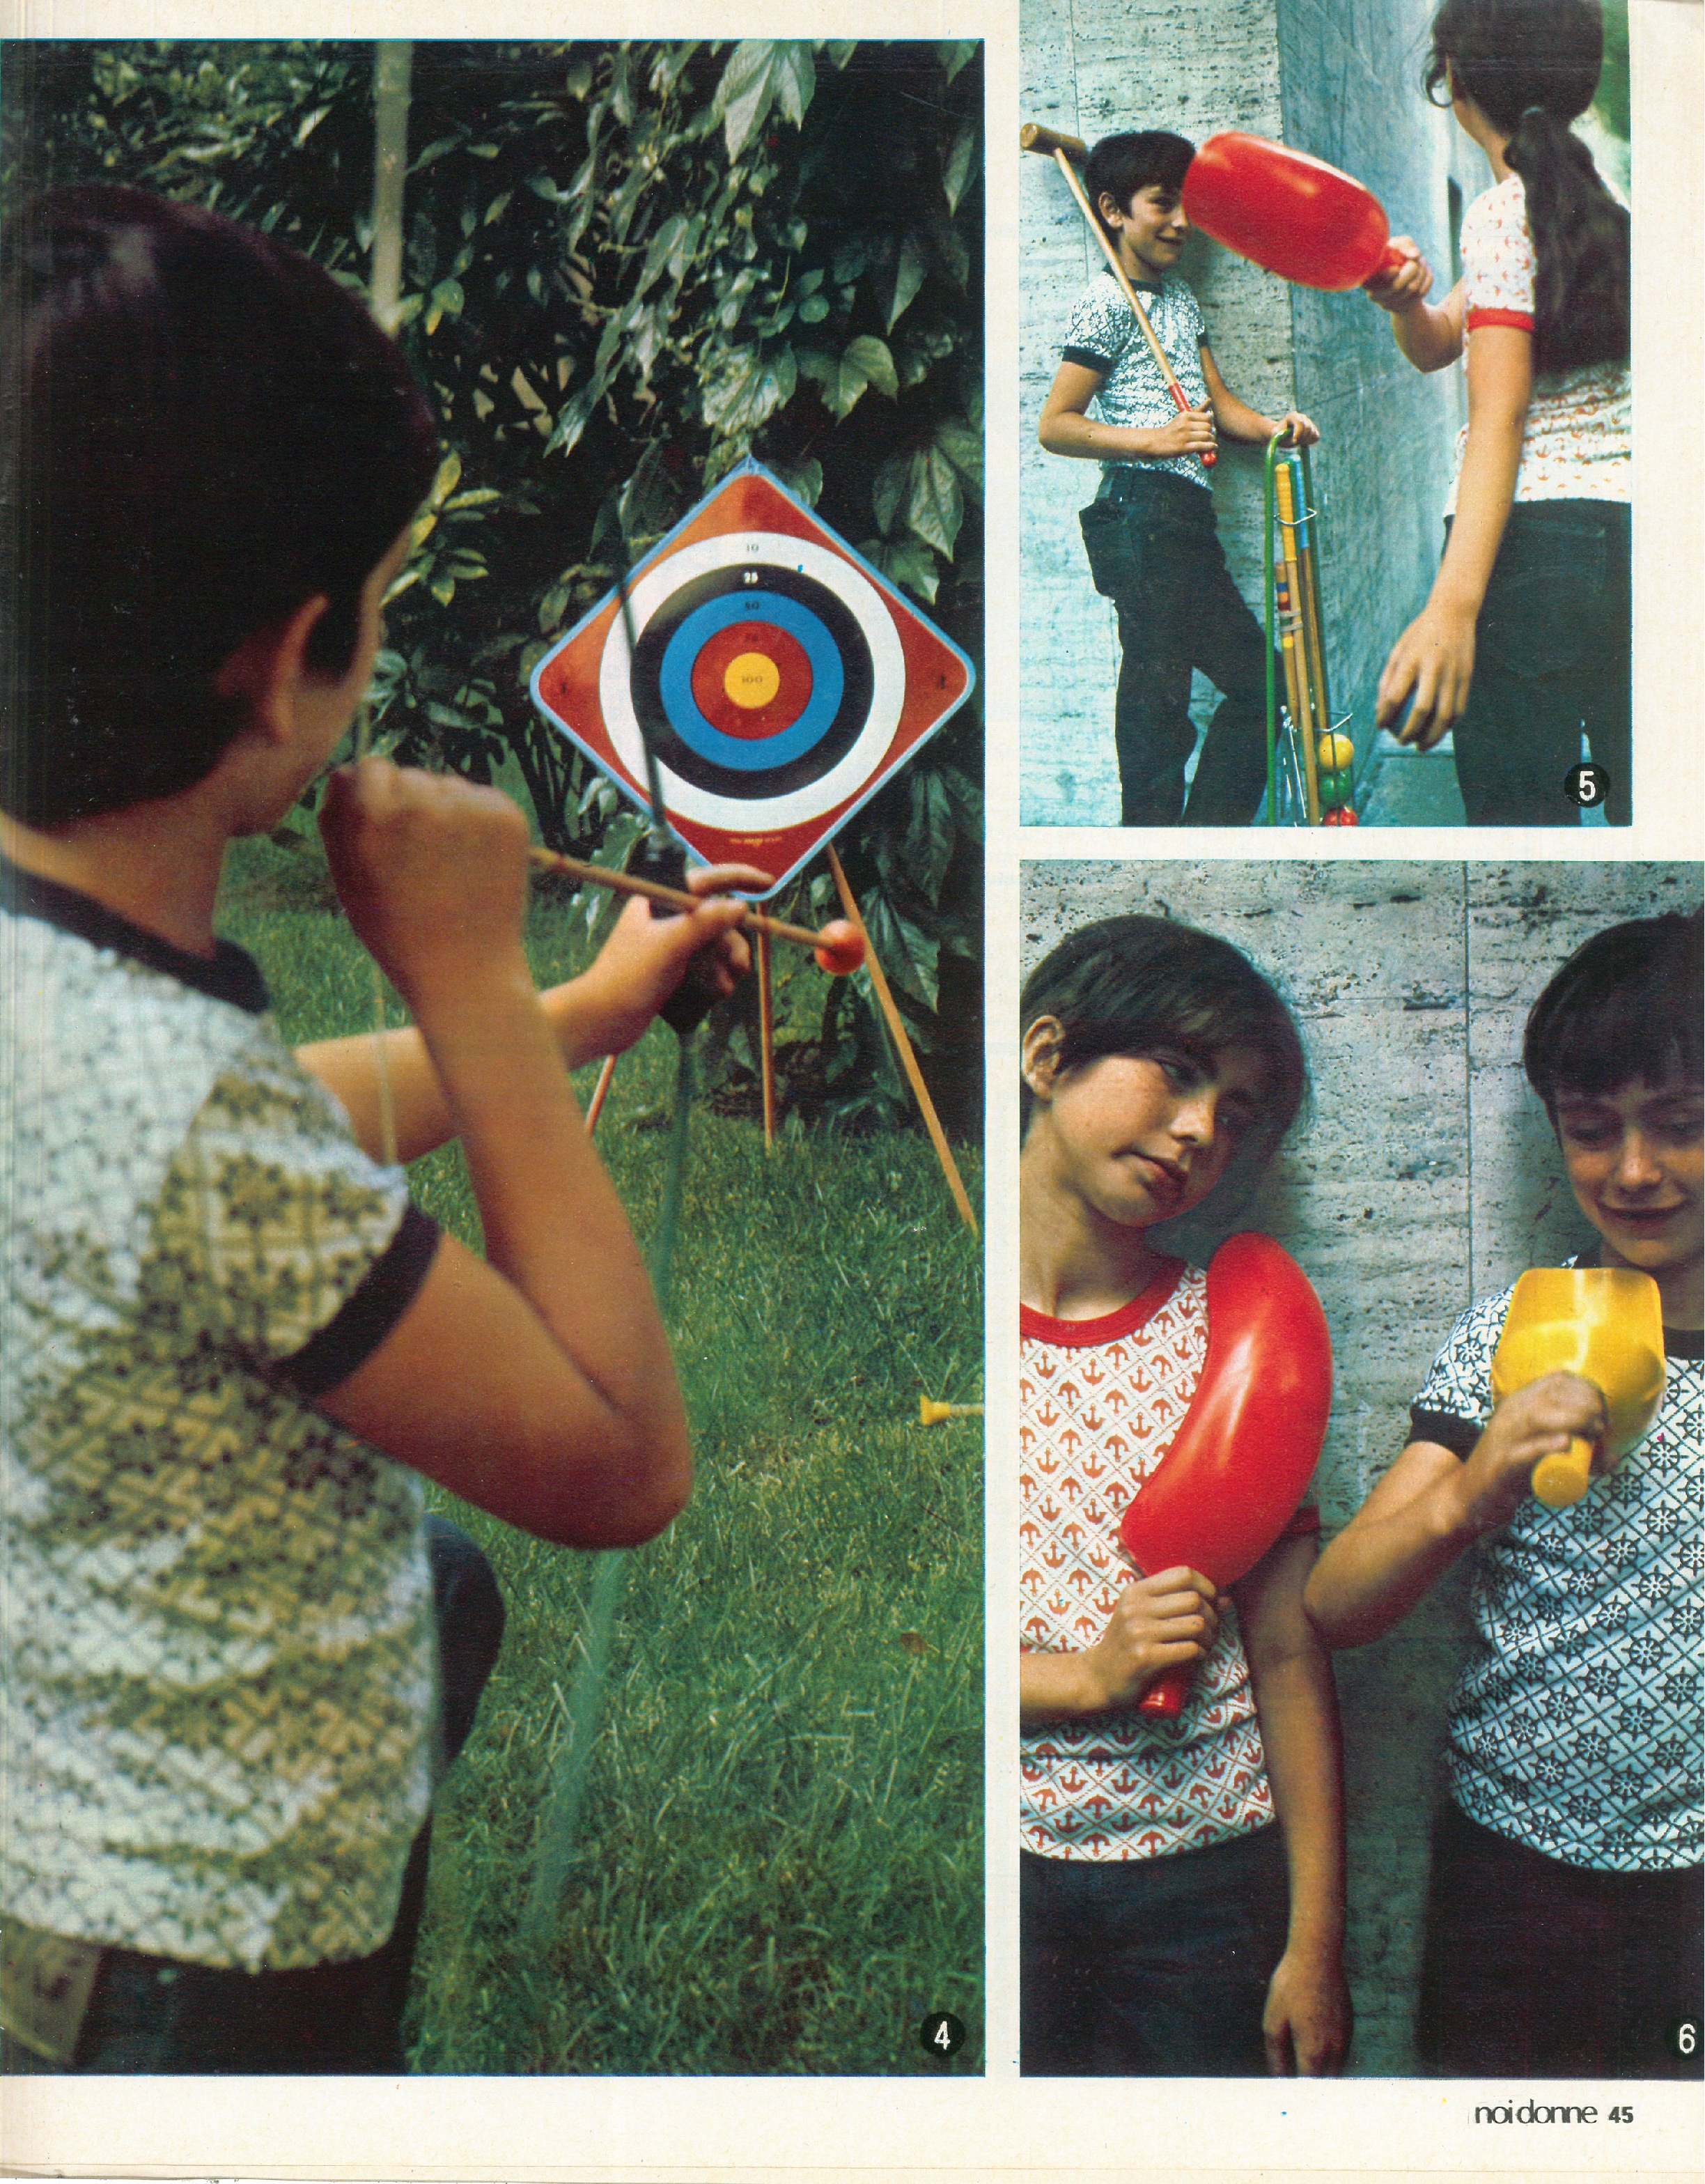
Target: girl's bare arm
1434,657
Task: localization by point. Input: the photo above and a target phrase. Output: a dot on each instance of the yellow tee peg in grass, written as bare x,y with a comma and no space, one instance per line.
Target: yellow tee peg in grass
932,1413
1337,754
1603,1323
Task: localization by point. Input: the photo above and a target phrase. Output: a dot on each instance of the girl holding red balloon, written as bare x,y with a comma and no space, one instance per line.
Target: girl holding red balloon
1525,641
1181,1882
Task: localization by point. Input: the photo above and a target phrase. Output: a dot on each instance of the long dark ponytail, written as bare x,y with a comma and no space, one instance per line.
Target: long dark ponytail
1531,66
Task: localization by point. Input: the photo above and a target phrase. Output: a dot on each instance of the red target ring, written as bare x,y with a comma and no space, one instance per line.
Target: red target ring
763,658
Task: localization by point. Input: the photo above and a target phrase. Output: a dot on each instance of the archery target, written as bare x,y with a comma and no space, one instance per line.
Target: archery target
780,679
768,673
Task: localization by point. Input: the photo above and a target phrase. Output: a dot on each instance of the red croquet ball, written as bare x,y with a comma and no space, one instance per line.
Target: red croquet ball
840,947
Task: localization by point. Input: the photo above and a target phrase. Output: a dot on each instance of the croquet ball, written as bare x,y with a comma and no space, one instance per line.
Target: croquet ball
1334,789
840,947
1337,753
1350,816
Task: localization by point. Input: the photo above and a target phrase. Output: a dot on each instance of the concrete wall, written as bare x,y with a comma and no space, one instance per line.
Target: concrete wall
1425,1176
1349,72
1339,78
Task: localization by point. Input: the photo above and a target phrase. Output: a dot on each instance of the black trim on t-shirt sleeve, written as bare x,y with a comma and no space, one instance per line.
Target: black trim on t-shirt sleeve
1447,1429
229,974
1088,358
369,1311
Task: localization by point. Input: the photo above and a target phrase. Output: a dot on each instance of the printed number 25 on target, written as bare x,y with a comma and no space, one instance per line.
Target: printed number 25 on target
779,679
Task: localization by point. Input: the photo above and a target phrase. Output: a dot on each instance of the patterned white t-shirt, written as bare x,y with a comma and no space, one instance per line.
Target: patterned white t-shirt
1099,1403
1576,443
218,1646
1104,337
1575,1728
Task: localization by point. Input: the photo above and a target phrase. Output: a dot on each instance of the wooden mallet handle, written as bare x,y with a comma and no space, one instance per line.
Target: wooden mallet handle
1064,150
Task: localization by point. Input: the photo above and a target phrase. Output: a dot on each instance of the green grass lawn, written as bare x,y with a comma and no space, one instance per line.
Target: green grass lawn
780,1863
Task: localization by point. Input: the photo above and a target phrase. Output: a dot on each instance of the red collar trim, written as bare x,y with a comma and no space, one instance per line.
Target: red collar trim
1084,1334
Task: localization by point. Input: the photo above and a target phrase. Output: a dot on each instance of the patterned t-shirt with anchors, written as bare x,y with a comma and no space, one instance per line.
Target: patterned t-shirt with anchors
1104,337
1099,1403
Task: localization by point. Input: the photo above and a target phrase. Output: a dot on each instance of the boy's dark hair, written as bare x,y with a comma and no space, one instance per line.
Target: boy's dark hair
1627,1007
199,431
1130,985
1136,159
1531,66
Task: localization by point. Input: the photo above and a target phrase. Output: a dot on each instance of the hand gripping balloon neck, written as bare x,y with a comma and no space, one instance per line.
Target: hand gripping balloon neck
1290,213
1239,1464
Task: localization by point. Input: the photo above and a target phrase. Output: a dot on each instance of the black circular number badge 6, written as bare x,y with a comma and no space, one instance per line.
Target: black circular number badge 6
767,674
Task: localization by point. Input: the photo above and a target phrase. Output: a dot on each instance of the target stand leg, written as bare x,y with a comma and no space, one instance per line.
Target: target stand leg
766,1040
896,1025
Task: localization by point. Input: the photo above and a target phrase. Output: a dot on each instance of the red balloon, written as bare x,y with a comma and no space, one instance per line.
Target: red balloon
1239,1464
1290,212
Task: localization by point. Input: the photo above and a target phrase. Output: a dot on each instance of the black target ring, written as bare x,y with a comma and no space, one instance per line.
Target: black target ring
851,715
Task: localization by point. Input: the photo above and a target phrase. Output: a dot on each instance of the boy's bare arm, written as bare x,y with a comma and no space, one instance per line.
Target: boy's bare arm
537,1382
1433,1505
603,1012
1066,429
1238,421
1307,2023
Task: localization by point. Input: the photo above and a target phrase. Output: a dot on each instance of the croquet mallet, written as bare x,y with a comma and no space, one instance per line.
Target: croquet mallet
1034,137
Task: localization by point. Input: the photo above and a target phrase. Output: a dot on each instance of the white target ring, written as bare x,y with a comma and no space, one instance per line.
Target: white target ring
759,550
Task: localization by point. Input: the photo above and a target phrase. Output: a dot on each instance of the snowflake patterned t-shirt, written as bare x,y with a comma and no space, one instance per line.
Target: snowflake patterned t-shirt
218,1651
1576,443
1104,337
1100,1403
1576,1728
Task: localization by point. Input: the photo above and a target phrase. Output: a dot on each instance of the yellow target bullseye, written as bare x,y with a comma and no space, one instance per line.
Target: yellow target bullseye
751,679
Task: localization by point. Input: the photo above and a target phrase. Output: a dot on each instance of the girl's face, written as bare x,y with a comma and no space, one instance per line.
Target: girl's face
1633,1161
1136,1138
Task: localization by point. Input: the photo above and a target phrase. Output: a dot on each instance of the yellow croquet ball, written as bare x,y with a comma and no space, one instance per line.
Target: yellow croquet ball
1336,753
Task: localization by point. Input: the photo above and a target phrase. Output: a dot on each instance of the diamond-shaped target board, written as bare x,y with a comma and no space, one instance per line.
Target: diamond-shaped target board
780,679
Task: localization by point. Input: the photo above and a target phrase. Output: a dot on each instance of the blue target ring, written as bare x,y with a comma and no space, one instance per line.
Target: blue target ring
755,755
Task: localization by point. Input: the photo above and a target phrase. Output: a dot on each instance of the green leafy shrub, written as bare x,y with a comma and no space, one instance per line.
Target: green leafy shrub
626,267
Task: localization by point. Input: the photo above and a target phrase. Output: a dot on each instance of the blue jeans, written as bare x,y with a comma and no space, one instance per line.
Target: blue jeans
1157,1967
154,2015
1155,552
1553,657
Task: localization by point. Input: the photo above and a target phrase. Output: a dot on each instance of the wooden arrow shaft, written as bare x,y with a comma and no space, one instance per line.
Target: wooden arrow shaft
577,868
